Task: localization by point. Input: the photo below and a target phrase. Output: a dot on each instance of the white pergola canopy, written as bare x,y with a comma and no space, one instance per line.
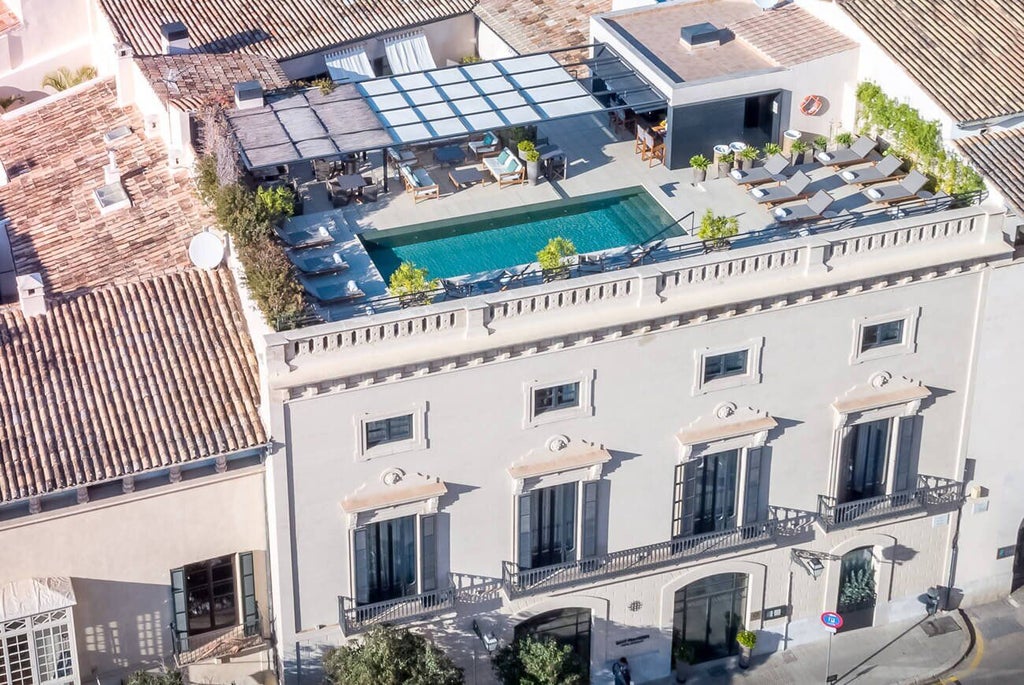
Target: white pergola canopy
32,596
349,65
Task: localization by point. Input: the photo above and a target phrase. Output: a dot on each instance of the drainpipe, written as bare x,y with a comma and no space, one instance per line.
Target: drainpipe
954,548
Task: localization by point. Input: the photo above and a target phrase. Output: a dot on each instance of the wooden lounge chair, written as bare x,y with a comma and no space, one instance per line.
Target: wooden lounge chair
653,147
888,169
906,189
855,154
793,189
488,144
315,261
773,170
418,182
505,168
808,211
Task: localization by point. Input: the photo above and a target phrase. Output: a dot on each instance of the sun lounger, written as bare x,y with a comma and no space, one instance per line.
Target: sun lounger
307,231
773,170
793,189
331,289
505,168
897,192
888,169
317,260
809,211
855,154
487,145
418,182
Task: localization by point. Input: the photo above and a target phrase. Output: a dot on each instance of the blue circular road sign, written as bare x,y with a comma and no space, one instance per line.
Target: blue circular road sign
831,619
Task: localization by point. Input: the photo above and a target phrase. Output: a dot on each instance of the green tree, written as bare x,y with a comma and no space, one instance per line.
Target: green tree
391,656
529,661
64,78
552,255
410,280
717,229
148,678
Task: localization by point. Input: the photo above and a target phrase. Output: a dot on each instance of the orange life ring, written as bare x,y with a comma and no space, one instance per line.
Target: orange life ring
812,105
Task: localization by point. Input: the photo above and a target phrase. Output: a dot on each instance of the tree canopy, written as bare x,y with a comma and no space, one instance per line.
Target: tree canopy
391,656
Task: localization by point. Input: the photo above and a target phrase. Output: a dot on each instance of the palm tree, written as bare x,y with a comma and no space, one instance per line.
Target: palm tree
64,78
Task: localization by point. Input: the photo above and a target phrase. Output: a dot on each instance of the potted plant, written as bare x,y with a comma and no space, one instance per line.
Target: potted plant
770,149
552,258
748,156
524,147
715,231
699,164
725,164
686,656
747,640
532,159
843,140
799,150
820,143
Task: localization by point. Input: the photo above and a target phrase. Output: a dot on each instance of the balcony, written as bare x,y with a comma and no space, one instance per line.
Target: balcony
219,643
931,491
355,618
782,523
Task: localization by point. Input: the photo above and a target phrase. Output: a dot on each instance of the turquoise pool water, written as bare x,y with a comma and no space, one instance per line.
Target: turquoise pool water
507,238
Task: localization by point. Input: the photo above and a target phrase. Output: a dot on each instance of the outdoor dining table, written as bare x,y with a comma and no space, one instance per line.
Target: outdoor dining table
451,154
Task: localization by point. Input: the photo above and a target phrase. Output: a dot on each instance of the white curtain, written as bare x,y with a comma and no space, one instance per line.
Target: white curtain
408,52
349,65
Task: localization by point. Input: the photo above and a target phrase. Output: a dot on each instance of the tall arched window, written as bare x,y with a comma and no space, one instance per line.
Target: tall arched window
857,591
567,627
709,613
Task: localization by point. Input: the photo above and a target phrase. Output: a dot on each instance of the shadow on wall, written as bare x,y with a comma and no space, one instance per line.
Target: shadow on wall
121,627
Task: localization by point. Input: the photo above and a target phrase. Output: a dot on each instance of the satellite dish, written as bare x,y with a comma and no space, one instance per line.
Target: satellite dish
206,250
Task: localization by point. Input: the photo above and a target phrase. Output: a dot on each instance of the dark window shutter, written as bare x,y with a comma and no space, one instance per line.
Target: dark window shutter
525,557
250,616
755,506
361,565
687,488
179,605
677,502
428,552
590,495
902,479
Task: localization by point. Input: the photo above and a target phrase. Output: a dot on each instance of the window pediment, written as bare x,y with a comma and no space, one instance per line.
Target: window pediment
558,454
900,395
394,487
728,423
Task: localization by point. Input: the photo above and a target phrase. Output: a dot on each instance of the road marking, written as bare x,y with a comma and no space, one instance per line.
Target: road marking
979,652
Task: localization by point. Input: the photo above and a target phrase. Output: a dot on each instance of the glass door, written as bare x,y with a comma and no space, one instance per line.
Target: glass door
709,614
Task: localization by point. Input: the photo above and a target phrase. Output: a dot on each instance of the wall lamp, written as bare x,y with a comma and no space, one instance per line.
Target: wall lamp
490,642
811,561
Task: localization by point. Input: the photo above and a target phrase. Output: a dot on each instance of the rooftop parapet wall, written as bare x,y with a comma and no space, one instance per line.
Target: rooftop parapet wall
955,240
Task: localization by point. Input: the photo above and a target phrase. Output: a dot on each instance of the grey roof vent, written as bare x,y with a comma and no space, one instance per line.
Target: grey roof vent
700,35
174,38
248,94
115,135
31,295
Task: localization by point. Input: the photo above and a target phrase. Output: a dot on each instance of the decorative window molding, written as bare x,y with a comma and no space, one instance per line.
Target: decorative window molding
584,406
418,441
729,427
883,396
394,494
568,459
751,376
908,345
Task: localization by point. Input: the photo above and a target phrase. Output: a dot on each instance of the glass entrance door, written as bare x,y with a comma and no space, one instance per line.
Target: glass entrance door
856,603
867,446
567,627
709,613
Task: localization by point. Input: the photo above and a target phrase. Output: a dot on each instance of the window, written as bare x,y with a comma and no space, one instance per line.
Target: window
556,397
877,458
38,650
553,519
567,627
214,595
722,365
881,334
391,429
395,558
707,491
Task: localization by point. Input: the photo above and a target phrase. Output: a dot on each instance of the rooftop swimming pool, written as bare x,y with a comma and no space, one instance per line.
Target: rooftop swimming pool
510,237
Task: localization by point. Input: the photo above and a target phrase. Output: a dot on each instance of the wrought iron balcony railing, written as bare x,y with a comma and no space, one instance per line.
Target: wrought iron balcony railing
929,491
357,617
781,522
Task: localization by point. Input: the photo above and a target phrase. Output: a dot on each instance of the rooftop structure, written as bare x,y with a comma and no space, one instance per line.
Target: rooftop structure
8,19
961,52
188,80
999,156
542,24
281,30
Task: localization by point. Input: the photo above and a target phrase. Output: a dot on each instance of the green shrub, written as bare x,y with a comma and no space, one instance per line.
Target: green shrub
277,202
390,656
845,139
64,78
747,638
408,280
552,256
727,158
271,280
530,661
207,183
799,147
717,229
526,146
820,143
531,156
770,149
147,678
749,153
470,59
700,162
240,215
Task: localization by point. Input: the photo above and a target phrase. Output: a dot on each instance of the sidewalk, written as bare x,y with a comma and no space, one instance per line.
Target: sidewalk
897,653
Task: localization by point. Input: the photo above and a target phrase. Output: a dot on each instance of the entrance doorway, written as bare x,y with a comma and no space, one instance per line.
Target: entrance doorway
709,613
856,603
1018,561
567,627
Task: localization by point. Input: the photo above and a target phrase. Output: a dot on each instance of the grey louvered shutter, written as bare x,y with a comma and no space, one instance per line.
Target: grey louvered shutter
361,565
179,606
686,491
525,556
902,478
250,615
428,552
755,505
590,499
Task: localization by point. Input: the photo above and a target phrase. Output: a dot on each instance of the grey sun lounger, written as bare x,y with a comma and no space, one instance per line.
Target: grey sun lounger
809,211
888,169
321,260
855,154
773,170
793,189
330,288
897,192
306,231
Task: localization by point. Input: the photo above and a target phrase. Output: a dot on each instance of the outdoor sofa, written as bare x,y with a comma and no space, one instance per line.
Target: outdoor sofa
418,182
505,168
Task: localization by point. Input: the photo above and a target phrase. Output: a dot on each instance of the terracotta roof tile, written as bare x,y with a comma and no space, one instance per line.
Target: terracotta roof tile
965,53
789,36
122,379
999,157
539,25
55,156
8,19
281,29
201,78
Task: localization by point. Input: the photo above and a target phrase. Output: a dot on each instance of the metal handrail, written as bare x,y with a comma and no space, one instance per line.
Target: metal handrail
929,490
355,617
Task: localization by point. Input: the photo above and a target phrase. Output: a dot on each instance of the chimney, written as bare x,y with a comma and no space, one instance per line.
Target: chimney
31,295
174,38
701,35
248,95
124,82
111,174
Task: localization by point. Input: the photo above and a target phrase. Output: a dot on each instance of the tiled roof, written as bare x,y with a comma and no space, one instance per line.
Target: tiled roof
201,78
789,36
143,375
1000,158
281,29
539,25
965,53
8,19
55,155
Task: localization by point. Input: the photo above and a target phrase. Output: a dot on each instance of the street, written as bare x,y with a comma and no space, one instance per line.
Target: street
998,654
